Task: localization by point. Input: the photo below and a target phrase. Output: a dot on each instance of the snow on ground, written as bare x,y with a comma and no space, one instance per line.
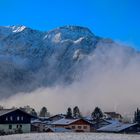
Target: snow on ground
71,136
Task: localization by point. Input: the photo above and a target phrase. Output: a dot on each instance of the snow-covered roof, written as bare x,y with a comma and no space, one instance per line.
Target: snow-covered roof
88,117
64,121
35,121
6,111
112,121
60,115
115,127
43,118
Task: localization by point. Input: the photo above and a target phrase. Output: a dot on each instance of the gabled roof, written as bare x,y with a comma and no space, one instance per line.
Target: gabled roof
6,111
88,117
36,121
60,115
64,121
43,118
101,121
112,121
113,114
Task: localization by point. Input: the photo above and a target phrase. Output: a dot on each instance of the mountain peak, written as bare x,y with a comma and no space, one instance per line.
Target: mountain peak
75,28
5,31
13,28
18,28
69,32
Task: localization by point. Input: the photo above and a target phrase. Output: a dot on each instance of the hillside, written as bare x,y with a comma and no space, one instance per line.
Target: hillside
30,59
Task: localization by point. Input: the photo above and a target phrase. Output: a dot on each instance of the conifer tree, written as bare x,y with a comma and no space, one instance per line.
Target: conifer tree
69,113
97,114
76,112
43,112
137,116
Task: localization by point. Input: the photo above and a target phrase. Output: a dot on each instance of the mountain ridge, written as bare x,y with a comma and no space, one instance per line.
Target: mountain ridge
30,59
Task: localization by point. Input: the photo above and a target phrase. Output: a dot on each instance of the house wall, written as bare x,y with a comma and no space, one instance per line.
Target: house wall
84,128
26,128
80,125
80,128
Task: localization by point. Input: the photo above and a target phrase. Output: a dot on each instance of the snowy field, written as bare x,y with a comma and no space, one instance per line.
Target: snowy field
71,136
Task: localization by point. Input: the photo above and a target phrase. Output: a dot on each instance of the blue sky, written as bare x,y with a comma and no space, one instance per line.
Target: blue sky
116,19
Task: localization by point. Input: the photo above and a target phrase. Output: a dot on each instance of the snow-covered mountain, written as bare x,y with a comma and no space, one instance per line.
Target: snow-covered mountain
30,59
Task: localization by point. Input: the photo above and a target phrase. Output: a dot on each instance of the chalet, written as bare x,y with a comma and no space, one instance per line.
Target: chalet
113,115
15,121
77,125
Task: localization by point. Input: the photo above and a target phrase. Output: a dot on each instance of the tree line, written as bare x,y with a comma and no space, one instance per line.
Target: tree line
96,115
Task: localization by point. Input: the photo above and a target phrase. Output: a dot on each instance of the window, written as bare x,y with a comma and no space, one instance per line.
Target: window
10,126
22,118
17,118
6,118
11,118
85,127
19,126
79,127
73,127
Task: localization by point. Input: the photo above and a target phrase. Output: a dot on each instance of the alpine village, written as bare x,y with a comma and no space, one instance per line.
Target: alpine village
27,120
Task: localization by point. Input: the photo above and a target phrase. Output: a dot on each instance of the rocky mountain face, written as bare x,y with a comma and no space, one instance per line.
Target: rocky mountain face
30,59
